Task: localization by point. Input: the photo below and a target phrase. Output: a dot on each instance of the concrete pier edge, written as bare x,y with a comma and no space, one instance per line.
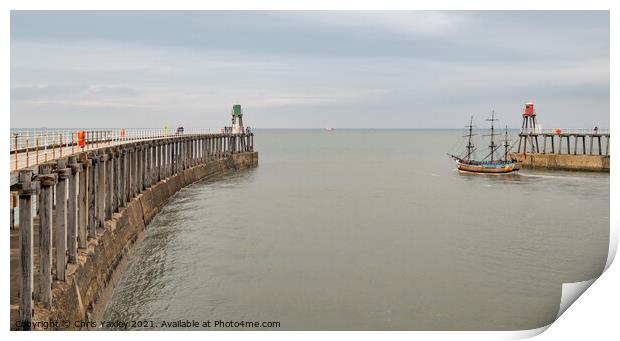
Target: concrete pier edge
578,162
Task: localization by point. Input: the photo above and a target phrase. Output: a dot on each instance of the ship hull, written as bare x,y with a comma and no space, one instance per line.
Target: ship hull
490,168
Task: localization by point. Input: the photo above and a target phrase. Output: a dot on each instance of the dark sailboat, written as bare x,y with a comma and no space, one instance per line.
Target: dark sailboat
489,164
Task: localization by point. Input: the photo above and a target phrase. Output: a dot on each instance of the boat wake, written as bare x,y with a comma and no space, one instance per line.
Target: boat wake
554,176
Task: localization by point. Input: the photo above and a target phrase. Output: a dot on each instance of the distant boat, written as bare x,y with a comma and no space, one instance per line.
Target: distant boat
329,129
489,164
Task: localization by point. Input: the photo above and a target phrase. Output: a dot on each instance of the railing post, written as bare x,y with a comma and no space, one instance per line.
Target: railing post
46,181
72,216
26,247
60,220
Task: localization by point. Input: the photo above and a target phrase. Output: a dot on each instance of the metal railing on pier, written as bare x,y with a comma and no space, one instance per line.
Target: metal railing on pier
569,141
576,131
34,146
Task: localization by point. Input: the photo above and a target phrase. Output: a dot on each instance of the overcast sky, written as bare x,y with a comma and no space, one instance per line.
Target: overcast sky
307,69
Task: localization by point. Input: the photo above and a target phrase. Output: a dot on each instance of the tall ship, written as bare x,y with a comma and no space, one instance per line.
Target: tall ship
491,163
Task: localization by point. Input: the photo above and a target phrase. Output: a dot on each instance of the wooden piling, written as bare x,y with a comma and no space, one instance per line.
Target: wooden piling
139,167
122,181
72,216
109,178
607,146
583,144
26,247
160,163
60,220
46,181
83,199
93,196
12,211
101,190
148,166
130,153
117,179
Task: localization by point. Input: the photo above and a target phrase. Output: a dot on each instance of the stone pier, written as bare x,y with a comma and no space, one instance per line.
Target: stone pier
104,199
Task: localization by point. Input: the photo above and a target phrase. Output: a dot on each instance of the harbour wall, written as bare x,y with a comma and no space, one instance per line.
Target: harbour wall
96,271
579,162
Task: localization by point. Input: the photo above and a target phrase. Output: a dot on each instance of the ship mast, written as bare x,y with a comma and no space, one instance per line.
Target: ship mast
470,145
506,145
492,145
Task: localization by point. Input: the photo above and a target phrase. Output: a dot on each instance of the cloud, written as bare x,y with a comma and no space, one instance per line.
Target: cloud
406,23
305,65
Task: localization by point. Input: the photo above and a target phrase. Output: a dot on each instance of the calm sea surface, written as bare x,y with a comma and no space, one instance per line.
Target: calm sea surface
368,229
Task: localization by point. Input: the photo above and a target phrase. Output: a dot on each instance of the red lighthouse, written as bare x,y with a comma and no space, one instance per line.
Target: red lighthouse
528,132
529,110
